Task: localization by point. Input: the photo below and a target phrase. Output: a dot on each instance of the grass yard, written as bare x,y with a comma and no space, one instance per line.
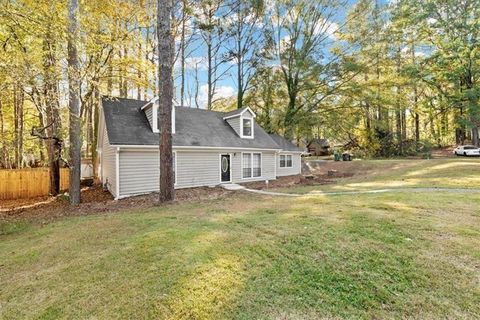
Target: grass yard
377,174
392,255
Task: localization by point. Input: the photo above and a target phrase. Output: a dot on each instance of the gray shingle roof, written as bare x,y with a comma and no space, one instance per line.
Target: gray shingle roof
284,144
234,112
128,125
320,142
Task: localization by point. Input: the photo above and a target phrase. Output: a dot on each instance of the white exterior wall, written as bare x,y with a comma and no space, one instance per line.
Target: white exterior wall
149,113
196,169
109,154
139,169
139,172
296,165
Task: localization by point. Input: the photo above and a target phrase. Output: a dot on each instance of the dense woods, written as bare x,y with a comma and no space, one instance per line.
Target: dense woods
383,78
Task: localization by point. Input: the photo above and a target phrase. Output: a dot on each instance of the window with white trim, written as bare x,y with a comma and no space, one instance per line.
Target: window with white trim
251,165
286,161
257,164
247,127
289,161
246,165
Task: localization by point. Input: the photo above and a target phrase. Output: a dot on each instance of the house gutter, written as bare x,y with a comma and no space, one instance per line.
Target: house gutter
126,146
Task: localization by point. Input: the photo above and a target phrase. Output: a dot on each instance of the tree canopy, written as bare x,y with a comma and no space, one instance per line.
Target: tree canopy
383,78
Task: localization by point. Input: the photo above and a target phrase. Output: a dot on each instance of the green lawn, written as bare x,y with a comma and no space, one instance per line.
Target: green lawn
378,174
405,255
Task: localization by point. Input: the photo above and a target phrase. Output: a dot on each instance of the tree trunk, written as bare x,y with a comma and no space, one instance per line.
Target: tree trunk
209,73
123,83
475,138
288,121
398,107
110,78
18,99
415,100
460,128
139,70
74,103
417,127
165,94
147,72
41,142
3,150
404,123
16,159
96,103
182,55
432,125
398,128
55,149
239,69
52,119
89,126
473,106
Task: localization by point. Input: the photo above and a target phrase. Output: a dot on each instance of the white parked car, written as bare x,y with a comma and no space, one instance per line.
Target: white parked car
467,150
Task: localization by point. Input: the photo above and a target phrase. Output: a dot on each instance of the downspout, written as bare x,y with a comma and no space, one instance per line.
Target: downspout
117,173
275,167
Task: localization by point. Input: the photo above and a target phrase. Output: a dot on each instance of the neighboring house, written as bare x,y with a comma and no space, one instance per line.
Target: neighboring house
318,147
209,148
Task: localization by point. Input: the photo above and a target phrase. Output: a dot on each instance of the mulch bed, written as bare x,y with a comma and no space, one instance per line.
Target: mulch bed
94,200
298,180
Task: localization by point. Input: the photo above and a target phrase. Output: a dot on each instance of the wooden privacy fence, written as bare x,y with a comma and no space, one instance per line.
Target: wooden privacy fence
29,183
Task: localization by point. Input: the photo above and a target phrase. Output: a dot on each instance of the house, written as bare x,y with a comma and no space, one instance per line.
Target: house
209,148
318,147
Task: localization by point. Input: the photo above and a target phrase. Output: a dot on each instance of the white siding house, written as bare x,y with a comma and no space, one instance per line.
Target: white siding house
210,148
288,164
108,158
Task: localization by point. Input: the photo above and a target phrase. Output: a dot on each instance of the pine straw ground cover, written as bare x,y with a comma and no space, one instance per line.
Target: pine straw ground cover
245,256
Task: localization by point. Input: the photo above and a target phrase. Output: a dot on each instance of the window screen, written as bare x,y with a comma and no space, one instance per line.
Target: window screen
247,165
257,165
289,161
247,127
282,161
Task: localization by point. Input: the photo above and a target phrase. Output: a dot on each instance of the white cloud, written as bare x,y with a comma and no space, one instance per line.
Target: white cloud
224,92
189,28
285,43
408,51
191,63
196,62
329,28
420,54
220,92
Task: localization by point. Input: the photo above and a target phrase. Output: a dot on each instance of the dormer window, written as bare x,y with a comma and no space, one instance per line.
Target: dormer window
247,128
242,122
151,110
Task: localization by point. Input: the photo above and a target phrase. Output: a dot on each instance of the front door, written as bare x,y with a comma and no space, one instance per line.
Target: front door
225,167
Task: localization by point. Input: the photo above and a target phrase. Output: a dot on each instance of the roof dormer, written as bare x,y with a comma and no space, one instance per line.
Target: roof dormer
242,122
151,111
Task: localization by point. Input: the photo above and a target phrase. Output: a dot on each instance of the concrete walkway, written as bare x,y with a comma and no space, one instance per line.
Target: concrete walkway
236,187
232,186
